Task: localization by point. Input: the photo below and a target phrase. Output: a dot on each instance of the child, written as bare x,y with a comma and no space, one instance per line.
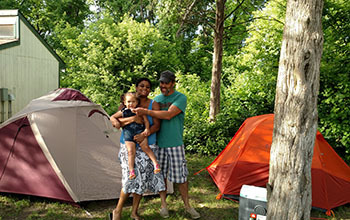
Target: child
141,125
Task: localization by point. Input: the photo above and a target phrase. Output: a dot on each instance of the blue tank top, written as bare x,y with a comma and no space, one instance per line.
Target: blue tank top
153,137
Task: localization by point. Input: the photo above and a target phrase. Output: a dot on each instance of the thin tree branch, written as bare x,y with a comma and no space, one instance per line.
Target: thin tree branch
188,11
262,18
234,10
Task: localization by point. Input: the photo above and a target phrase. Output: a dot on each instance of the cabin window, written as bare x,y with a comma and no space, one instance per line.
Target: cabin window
8,27
7,31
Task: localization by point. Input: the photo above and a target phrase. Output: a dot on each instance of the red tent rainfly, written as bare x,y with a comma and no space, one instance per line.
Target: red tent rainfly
245,160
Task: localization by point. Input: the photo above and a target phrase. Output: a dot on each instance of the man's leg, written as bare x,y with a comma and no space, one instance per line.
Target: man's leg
163,161
183,188
164,208
163,199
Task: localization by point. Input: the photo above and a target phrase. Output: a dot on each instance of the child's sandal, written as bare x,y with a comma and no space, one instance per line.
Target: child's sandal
157,169
132,175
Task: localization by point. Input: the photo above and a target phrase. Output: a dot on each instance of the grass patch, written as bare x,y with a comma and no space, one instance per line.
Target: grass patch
202,194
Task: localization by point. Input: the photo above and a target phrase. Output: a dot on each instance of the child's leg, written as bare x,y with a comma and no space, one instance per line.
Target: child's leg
145,147
131,147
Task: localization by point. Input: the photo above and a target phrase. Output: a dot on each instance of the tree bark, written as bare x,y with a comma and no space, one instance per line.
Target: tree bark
217,60
295,123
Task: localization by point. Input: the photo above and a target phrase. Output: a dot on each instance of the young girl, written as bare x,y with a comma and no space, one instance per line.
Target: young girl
141,125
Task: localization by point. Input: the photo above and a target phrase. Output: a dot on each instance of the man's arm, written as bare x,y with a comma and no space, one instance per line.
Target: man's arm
160,114
155,126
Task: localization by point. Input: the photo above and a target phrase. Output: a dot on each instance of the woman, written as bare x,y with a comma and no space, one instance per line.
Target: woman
146,179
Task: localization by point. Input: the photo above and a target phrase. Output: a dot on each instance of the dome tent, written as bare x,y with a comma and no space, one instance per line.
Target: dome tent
60,146
245,160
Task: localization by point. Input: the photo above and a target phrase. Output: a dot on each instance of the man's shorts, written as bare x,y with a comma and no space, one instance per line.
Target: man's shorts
173,163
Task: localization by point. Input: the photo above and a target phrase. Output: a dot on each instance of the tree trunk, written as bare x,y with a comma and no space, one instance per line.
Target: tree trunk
295,124
217,60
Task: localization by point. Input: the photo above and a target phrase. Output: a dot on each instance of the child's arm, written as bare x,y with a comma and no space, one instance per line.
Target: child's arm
115,119
147,130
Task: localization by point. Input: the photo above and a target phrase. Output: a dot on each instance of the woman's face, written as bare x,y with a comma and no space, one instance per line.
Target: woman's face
143,89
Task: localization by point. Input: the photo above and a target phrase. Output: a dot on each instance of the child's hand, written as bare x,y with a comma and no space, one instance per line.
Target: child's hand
146,132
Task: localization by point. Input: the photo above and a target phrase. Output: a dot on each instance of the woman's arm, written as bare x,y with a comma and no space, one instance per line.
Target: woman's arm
156,122
115,119
118,121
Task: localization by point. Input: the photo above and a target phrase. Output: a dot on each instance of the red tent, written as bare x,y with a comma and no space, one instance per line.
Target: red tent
245,160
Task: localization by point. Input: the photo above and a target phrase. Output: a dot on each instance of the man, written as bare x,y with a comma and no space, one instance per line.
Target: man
170,139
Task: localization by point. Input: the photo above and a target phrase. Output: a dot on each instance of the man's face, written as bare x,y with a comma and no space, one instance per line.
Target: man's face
166,88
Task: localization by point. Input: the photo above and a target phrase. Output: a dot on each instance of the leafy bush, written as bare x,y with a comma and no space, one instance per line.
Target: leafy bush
108,57
334,97
210,138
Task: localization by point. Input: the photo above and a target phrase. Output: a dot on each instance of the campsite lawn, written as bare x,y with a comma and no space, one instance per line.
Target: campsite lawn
202,191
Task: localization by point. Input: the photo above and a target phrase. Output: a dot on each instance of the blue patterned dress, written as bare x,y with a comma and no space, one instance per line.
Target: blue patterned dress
146,180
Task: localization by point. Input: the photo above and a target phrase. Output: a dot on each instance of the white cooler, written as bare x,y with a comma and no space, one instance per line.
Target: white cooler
252,202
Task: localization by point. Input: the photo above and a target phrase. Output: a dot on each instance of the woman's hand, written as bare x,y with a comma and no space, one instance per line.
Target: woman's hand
115,122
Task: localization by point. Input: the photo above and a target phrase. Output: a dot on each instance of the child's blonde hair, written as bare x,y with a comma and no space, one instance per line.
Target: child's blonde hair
133,94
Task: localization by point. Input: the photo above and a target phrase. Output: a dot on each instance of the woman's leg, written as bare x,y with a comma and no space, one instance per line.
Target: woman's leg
135,205
117,212
131,147
145,147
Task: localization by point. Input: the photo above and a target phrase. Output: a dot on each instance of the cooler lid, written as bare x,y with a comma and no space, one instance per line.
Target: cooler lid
254,192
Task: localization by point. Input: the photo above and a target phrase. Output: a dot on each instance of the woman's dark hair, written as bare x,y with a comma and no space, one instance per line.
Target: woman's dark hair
143,79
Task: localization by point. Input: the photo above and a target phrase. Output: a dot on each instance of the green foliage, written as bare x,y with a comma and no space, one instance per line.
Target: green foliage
248,89
106,51
140,11
45,16
108,57
334,97
200,135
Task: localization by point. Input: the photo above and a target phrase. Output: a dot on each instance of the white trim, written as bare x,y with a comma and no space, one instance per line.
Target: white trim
8,12
48,156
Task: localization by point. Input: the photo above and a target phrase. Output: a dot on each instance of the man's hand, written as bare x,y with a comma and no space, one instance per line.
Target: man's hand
140,111
139,138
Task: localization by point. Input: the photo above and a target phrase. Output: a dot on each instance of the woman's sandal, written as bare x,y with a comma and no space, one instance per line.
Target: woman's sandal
132,175
157,169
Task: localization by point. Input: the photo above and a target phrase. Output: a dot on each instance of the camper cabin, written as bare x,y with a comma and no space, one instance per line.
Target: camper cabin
29,68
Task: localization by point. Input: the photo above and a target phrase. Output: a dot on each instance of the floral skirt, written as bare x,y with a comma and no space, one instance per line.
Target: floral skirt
145,181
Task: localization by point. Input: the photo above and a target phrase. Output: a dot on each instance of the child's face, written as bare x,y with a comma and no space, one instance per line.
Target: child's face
130,102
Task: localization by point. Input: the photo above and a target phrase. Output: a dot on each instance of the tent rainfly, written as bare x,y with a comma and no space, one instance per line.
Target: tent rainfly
60,146
245,160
